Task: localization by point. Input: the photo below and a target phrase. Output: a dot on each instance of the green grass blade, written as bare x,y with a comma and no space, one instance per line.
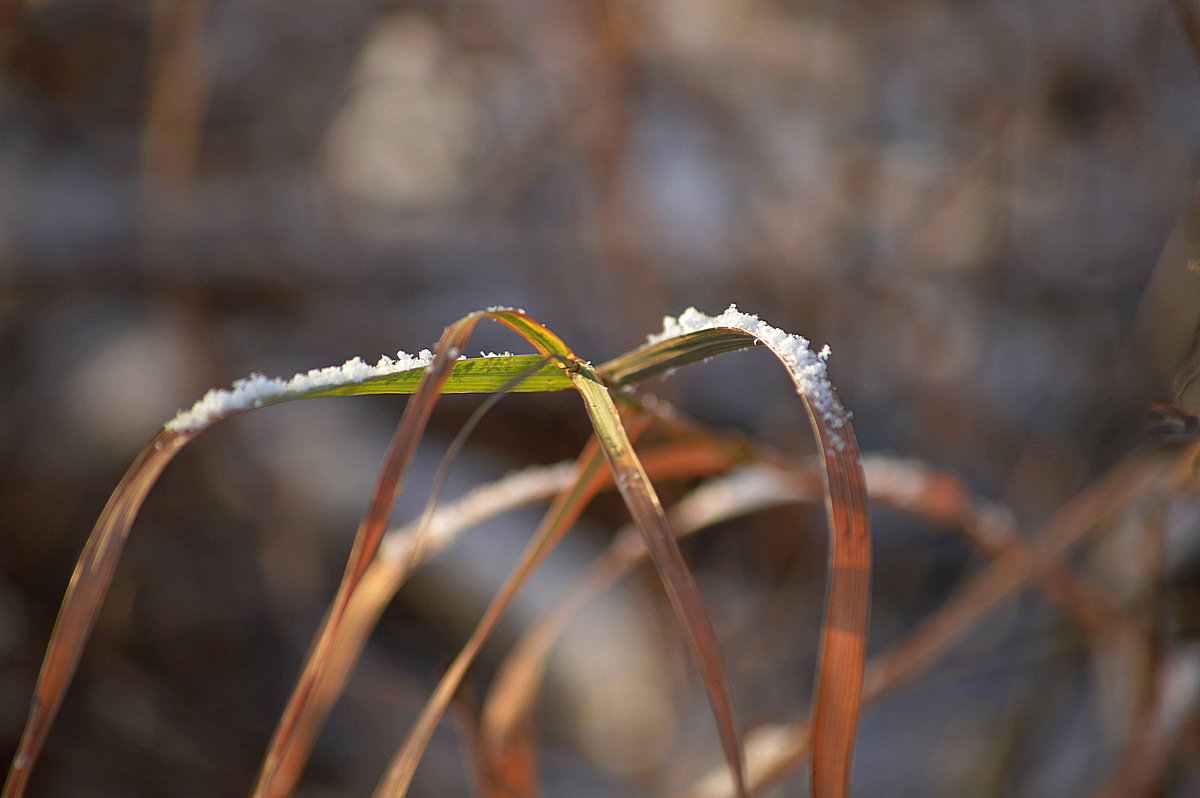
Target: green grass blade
471,375
389,376
667,355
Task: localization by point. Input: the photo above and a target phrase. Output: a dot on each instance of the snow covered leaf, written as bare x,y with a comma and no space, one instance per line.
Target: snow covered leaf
837,701
487,374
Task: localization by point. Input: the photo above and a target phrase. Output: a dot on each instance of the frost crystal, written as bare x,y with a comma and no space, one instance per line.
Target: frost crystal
807,368
257,390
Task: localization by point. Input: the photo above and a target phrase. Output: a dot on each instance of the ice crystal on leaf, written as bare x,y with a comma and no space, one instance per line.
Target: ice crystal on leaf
808,368
257,390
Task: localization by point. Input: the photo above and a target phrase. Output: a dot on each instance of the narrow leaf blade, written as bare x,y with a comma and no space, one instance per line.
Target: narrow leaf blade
643,505
89,585
837,697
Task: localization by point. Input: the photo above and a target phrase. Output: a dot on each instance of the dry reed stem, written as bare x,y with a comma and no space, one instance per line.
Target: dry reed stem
366,542
642,502
558,519
405,549
89,583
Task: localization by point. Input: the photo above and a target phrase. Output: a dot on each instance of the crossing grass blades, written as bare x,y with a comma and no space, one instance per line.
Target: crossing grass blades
379,561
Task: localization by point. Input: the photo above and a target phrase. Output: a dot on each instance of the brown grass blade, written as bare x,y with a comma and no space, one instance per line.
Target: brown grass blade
838,697
643,505
89,584
562,514
404,549
272,778
507,728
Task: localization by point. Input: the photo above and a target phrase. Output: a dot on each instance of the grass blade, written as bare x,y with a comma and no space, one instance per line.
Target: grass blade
640,498
838,693
562,514
89,584
402,375
270,783
506,729
494,374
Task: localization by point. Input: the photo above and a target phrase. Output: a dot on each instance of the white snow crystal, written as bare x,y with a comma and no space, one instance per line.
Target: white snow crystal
256,390
807,368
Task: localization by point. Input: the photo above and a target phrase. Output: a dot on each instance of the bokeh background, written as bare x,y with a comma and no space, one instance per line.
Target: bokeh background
967,200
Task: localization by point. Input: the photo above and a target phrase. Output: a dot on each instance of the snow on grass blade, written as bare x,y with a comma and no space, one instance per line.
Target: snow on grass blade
838,694
401,374
689,338
271,777
291,746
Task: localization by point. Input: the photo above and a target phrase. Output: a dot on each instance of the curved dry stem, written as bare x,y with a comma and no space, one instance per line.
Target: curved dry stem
81,604
271,782
562,514
642,502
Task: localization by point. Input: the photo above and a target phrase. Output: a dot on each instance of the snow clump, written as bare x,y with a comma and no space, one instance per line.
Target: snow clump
257,390
808,368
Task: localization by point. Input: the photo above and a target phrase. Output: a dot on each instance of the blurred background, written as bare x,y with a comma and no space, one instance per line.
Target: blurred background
988,210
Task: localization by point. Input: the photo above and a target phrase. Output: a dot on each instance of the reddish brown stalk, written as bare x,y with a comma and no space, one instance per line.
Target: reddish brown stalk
557,521
89,584
642,502
838,697
366,542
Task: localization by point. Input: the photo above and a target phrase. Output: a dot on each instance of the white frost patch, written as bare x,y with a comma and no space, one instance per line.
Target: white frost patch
808,368
741,491
257,390
527,486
